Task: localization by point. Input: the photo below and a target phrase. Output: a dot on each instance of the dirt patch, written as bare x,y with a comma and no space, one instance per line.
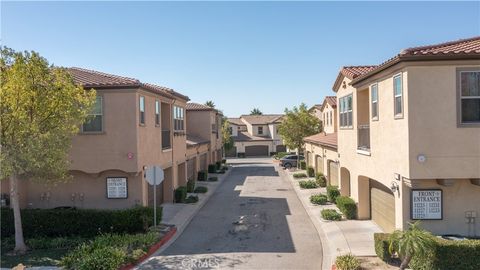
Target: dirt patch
376,263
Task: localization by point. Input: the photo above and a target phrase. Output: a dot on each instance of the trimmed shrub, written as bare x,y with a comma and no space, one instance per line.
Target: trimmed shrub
332,193
347,206
212,168
308,184
382,243
321,180
78,222
202,176
218,165
347,262
280,155
180,194
224,161
318,199
213,179
190,186
310,171
331,214
303,165
200,190
191,199
299,175
241,155
8,243
450,254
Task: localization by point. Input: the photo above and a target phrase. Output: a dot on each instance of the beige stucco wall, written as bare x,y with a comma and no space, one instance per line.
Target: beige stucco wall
328,154
327,127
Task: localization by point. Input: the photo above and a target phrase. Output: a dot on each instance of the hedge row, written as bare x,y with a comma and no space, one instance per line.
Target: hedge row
78,222
446,255
347,206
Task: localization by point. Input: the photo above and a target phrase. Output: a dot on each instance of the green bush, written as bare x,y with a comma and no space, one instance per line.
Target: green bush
200,190
308,184
347,262
109,251
213,179
191,199
347,206
331,214
382,242
318,199
303,165
202,176
321,180
218,165
78,222
224,161
310,171
332,193
299,175
180,194
212,168
450,254
190,186
8,243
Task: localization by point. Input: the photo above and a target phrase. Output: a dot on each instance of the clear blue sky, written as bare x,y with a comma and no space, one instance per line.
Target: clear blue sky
241,55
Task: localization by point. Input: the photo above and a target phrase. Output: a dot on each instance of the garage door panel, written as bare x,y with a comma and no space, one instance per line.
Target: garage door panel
191,169
333,173
256,150
382,207
319,164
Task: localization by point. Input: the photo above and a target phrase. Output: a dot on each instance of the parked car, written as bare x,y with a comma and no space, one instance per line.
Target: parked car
290,161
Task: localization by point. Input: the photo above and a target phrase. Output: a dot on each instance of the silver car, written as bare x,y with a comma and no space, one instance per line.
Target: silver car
290,161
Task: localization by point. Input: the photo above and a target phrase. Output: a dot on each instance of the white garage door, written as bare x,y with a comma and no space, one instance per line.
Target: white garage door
333,173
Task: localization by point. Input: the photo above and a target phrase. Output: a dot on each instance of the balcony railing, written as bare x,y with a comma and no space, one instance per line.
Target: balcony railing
364,138
166,142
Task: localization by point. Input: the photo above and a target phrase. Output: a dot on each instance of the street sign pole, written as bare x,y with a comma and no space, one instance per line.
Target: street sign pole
154,196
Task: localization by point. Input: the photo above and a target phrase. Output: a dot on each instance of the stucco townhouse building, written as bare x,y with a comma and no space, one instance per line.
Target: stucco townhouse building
409,138
321,149
133,125
255,135
204,138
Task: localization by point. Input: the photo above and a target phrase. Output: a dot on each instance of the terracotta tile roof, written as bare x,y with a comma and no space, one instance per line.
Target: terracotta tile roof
264,119
96,79
192,106
468,49
321,138
195,141
236,121
351,72
315,106
245,136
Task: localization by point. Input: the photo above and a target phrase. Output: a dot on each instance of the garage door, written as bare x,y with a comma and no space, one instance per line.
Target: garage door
281,148
333,173
382,206
203,162
232,152
310,160
191,169
319,164
256,150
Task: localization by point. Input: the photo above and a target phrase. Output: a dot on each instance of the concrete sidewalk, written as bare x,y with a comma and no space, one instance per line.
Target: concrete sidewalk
180,214
338,237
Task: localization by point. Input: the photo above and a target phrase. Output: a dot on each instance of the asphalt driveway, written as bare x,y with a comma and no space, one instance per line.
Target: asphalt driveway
253,221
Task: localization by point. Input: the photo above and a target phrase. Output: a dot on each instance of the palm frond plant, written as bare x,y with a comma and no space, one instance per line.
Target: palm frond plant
414,241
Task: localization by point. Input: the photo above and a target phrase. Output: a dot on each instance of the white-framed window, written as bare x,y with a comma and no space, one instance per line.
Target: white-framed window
331,118
398,95
374,100
157,112
260,130
346,111
178,118
469,93
94,121
142,110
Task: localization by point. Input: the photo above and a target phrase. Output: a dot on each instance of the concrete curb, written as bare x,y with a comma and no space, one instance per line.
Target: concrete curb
201,203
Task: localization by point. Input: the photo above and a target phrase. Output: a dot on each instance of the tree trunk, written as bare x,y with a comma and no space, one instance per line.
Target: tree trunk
405,262
20,246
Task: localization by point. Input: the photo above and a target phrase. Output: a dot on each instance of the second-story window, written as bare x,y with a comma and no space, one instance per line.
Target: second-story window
346,111
157,112
94,122
331,118
178,118
260,130
142,110
374,97
470,97
398,95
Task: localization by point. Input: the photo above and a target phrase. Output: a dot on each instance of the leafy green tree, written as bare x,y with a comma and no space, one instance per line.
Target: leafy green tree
413,242
210,104
40,110
256,111
297,124
226,136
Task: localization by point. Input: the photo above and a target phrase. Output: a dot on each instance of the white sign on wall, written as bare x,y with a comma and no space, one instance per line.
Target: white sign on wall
117,187
426,204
